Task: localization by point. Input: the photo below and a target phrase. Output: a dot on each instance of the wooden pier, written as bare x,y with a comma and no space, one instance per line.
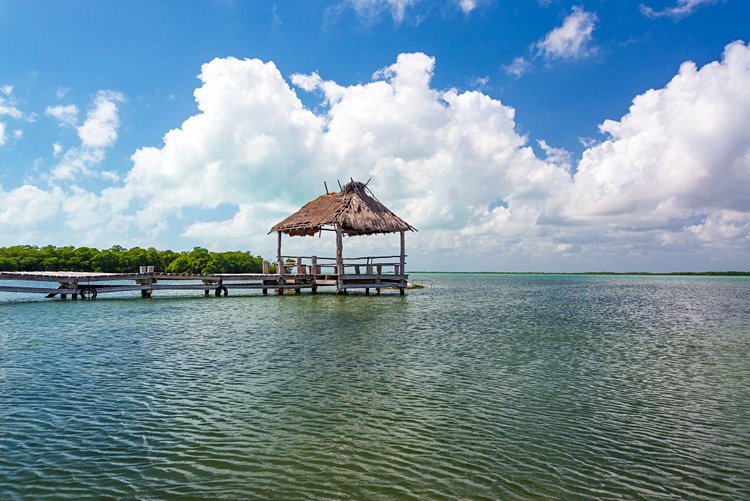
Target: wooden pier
296,274
354,211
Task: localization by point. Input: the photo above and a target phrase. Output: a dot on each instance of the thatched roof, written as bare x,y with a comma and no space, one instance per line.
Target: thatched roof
354,208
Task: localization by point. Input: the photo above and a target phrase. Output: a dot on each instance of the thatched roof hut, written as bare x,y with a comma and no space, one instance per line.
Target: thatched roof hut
355,209
352,211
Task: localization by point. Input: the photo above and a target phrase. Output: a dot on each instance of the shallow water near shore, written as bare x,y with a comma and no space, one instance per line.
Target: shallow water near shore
478,387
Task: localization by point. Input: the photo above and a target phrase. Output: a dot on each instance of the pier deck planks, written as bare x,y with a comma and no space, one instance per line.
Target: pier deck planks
74,282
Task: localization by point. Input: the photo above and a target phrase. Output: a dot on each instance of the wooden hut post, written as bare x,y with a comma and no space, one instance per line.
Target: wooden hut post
402,260
279,265
339,257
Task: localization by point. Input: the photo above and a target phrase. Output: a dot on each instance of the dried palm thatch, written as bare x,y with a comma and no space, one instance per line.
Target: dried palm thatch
355,209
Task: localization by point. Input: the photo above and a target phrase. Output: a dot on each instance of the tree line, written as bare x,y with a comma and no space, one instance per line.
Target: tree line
118,259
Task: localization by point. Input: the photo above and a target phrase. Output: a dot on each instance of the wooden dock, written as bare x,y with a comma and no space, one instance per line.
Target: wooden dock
296,274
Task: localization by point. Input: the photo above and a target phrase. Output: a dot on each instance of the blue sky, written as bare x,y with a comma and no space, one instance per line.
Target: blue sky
540,135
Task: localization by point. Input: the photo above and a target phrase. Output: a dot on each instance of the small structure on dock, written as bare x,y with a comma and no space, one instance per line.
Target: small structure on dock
353,211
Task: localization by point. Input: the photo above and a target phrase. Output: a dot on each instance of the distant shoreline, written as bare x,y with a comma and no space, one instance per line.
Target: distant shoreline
618,273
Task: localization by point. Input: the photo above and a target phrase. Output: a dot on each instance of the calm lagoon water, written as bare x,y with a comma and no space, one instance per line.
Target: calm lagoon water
480,387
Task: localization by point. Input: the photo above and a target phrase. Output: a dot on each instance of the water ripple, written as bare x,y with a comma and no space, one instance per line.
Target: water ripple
479,388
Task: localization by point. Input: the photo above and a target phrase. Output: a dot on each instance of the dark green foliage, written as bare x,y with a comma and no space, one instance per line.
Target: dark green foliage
118,259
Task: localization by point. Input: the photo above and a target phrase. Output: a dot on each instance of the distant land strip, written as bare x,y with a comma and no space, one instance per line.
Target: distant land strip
636,273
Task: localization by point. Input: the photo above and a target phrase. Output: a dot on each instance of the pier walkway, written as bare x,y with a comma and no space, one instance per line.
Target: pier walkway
296,274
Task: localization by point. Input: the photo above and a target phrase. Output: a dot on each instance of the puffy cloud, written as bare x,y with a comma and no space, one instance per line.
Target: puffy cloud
467,5
518,67
308,83
670,176
97,133
26,207
65,114
572,39
253,136
7,103
558,156
77,161
16,134
681,9
723,226
680,151
443,157
371,10
100,128
480,82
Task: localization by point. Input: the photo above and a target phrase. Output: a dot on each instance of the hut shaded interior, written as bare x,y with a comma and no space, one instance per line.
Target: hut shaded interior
354,209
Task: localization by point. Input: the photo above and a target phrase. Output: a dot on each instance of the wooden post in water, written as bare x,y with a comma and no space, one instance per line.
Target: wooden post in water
145,270
314,272
266,265
300,271
369,272
339,259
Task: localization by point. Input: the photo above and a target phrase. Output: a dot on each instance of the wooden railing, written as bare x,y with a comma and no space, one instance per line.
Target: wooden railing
316,265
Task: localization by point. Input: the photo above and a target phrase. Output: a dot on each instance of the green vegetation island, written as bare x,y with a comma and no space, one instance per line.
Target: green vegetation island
118,259
646,273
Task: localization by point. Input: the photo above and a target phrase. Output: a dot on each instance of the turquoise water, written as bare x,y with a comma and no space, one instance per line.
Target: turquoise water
480,387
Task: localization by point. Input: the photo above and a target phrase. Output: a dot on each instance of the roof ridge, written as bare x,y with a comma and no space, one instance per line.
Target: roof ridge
365,215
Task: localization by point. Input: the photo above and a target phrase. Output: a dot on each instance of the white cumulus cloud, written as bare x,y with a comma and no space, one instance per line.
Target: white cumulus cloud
307,82
7,103
24,208
467,5
65,114
572,39
97,133
102,120
371,10
669,178
681,151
